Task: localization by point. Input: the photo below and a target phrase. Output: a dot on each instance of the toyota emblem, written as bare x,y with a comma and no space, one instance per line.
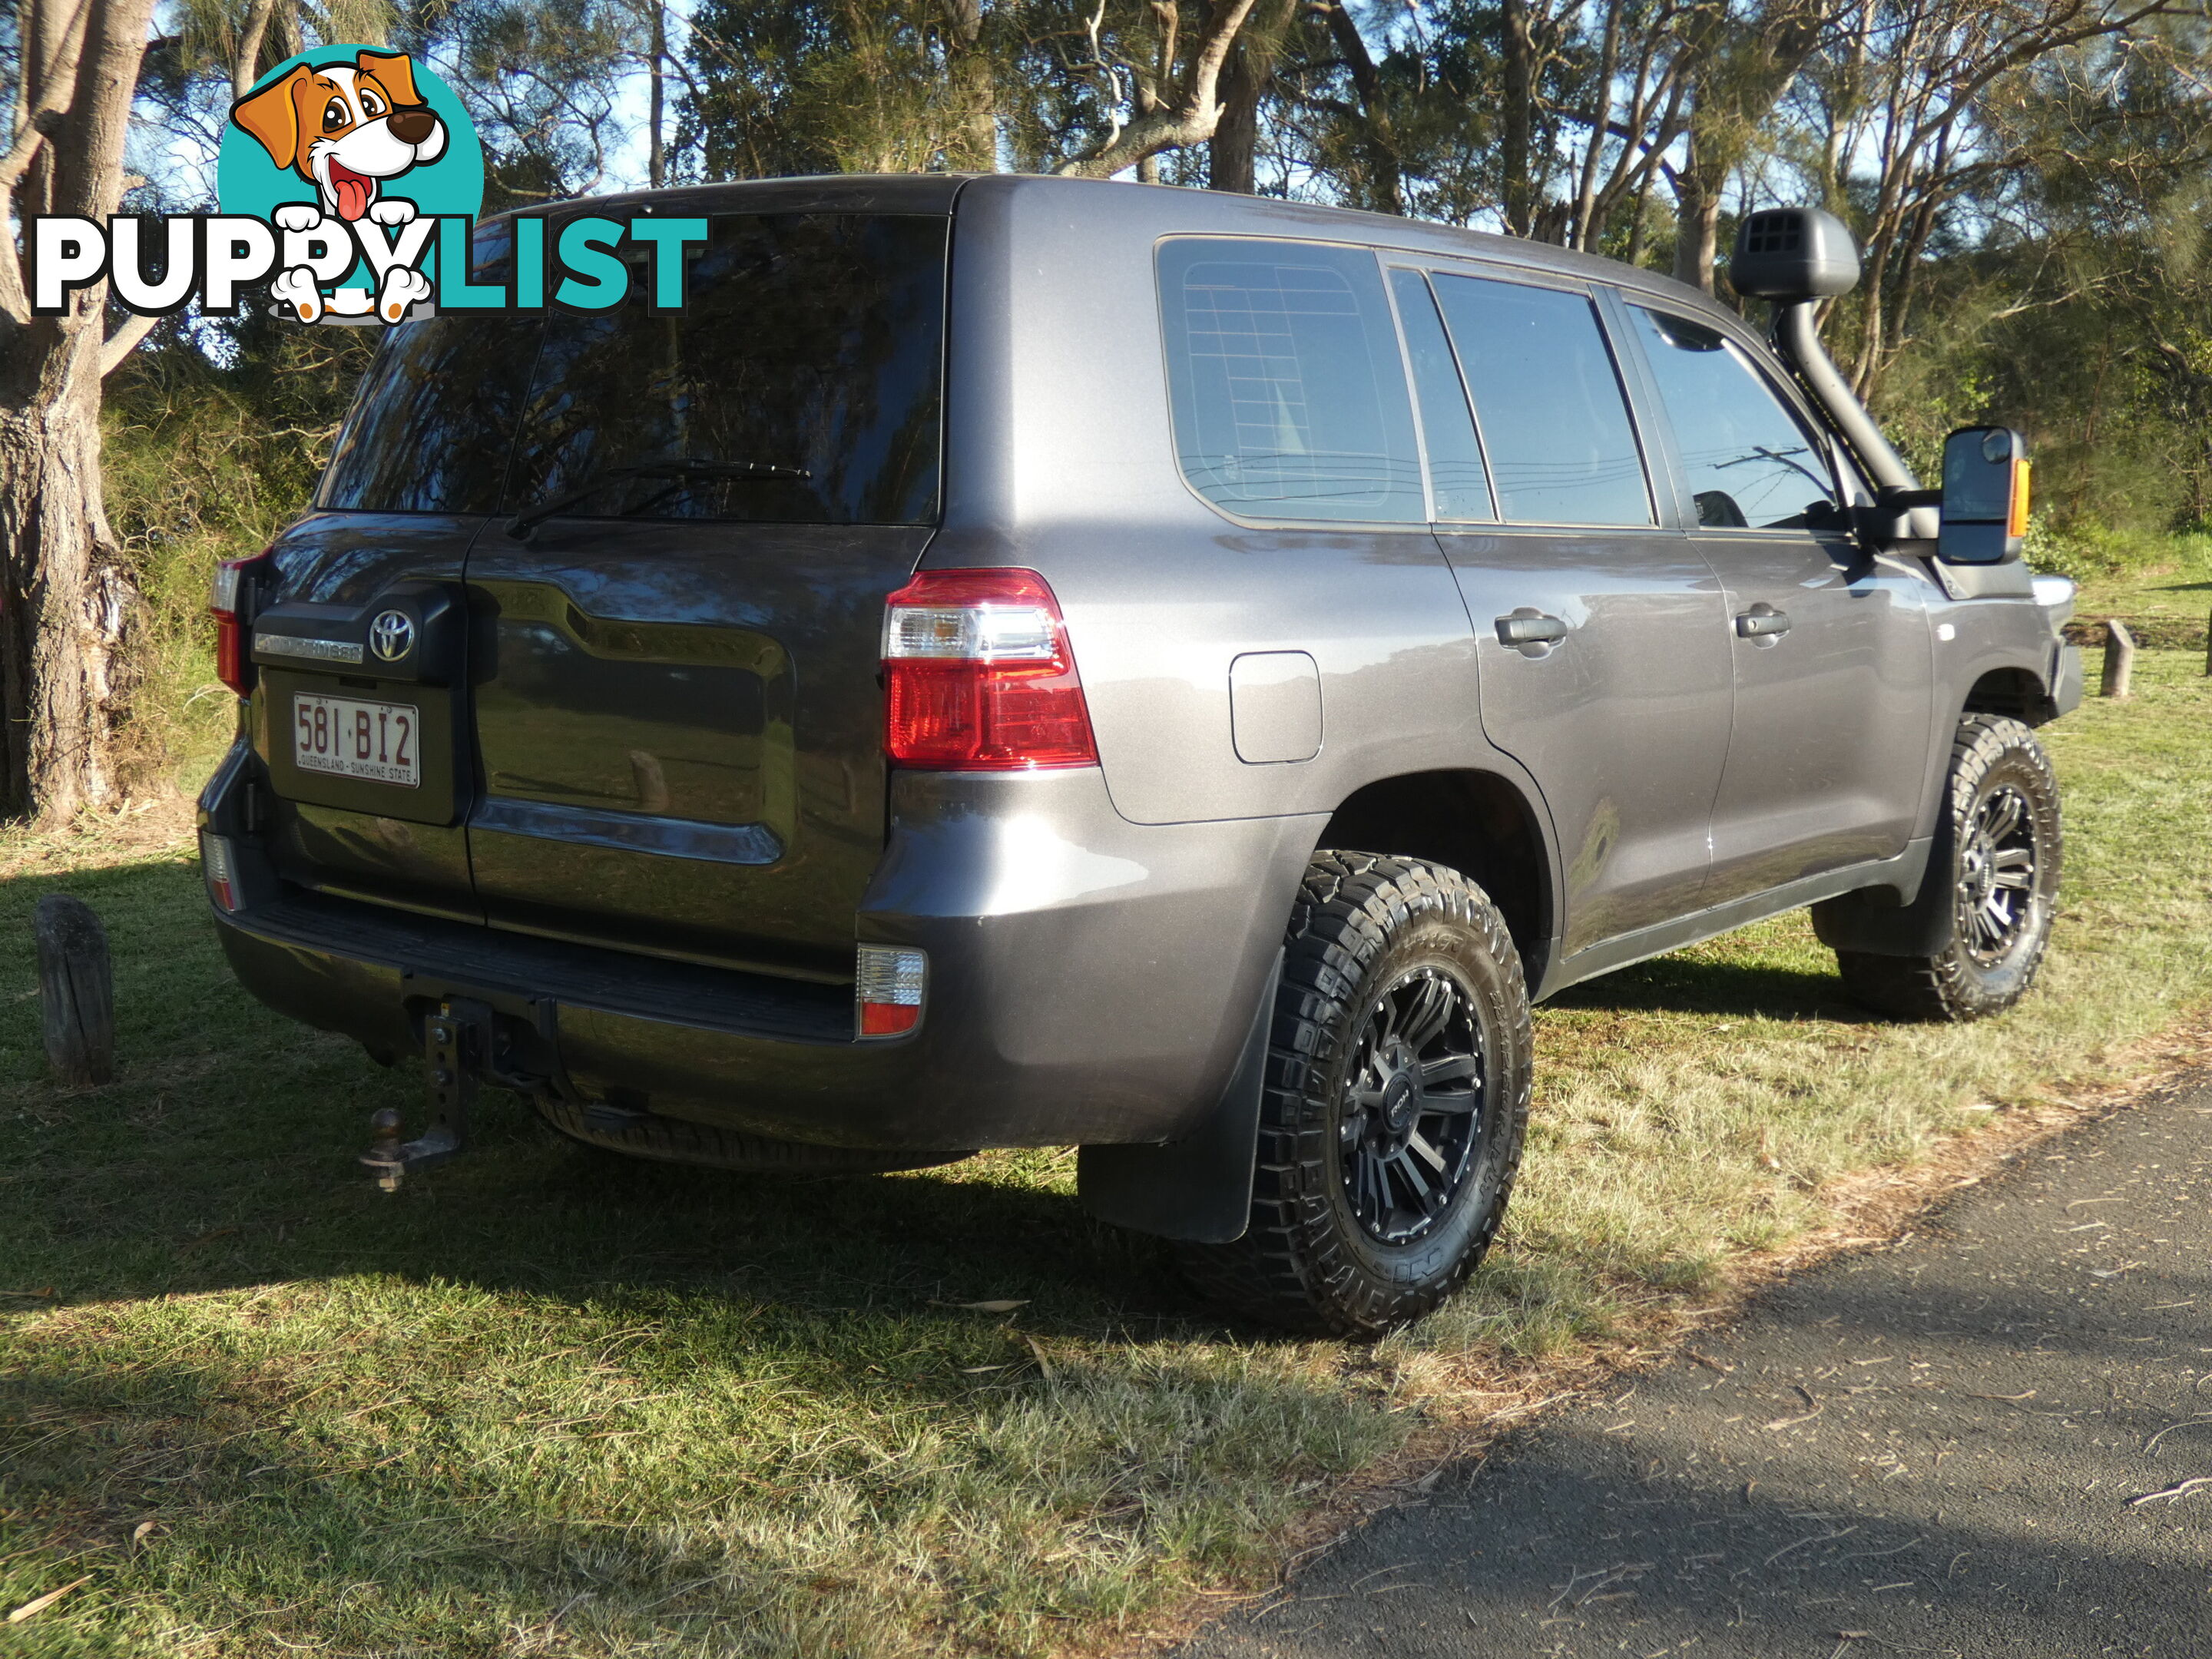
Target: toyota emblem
392,635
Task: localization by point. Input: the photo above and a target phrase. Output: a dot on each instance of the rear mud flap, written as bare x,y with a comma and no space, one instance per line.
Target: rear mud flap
1199,1189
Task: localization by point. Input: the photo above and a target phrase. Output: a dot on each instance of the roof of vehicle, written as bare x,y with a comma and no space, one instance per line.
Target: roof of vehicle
1203,210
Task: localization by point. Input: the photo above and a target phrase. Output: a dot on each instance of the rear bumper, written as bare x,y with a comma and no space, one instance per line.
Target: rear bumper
1090,981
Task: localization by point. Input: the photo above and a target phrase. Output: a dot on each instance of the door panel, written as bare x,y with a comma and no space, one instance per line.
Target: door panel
1832,663
1623,722
1830,745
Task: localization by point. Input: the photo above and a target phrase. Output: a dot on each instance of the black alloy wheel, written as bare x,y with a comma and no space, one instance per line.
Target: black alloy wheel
1995,888
1413,1121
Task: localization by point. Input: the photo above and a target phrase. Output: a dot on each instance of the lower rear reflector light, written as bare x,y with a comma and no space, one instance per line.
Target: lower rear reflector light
887,989
219,865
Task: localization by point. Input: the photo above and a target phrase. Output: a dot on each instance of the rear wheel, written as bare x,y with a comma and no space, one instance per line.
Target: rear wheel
1396,1098
1999,850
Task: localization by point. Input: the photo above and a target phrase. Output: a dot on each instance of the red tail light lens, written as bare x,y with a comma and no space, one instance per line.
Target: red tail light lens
230,602
979,676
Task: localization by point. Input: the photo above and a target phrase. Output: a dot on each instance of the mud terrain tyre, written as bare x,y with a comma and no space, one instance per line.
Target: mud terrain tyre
1999,849
1396,1099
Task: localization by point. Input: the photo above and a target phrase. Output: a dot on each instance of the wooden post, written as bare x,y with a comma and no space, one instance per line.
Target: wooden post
2119,656
76,990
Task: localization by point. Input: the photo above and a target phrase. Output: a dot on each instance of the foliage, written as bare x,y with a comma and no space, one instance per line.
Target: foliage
203,463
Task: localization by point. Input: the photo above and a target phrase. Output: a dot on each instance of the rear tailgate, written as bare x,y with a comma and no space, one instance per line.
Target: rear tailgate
680,735
677,722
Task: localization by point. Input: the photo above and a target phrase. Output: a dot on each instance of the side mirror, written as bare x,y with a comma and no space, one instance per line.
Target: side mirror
1985,490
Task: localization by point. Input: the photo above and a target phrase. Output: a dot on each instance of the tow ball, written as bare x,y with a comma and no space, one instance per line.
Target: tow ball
455,1044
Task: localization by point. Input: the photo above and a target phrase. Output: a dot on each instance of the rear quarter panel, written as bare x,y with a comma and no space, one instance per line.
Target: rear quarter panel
1061,457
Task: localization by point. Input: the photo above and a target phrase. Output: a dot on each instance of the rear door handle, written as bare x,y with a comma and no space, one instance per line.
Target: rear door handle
1526,627
1761,622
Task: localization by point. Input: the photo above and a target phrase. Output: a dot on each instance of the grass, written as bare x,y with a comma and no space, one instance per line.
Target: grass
2174,583
537,1403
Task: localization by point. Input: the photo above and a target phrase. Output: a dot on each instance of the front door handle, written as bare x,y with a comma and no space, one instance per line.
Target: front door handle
1761,622
1526,627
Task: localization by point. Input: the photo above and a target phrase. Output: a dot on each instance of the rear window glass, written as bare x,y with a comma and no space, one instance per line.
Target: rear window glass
800,384
1288,392
1554,420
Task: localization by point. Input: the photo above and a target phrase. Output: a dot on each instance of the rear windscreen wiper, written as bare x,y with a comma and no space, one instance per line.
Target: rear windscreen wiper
681,471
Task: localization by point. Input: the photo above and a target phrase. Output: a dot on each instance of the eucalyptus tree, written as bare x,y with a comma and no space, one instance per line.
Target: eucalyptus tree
67,601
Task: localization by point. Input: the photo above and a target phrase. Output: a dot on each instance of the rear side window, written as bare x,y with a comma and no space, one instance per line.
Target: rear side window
1456,474
800,384
1553,418
1288,393
1746,461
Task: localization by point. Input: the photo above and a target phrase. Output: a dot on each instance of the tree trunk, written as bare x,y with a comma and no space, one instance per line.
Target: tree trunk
1698,219
1171,115
67,601
976,149
1233,154
656,155
1386,184
1516,121
1584,231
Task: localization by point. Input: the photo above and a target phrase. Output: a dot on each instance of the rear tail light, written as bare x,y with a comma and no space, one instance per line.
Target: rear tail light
979,677
887,990
219,865
230,602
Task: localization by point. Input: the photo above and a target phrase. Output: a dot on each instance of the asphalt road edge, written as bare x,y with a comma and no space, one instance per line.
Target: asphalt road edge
1875,1209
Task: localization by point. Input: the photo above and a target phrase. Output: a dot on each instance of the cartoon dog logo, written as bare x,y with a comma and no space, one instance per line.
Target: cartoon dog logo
346,128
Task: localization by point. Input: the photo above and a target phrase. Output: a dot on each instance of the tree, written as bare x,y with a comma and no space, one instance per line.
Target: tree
1923,87
842,86
67,601
1177,87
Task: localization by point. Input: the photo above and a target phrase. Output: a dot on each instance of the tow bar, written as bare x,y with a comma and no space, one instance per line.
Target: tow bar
456,1044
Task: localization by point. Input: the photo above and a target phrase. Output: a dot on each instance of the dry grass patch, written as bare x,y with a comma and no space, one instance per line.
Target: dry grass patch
537,1403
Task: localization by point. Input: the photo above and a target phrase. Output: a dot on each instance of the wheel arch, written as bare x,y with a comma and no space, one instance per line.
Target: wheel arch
2016,691
1483,824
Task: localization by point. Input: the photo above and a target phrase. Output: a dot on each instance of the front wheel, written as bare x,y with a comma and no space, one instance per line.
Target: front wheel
1999,850
1397,1093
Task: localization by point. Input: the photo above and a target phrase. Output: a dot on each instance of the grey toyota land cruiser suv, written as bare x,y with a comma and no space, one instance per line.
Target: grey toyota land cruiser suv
1019,661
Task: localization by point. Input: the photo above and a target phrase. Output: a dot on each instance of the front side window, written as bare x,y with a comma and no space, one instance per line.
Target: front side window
800,384
1746,461
1554,420
1288,394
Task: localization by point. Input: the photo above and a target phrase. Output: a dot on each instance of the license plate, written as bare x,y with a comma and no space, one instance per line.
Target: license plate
350,738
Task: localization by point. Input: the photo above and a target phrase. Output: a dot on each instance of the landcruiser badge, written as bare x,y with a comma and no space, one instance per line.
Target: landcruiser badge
392,635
